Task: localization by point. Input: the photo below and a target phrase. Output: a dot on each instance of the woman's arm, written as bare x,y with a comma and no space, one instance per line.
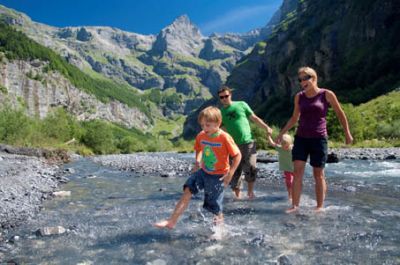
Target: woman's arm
333,101
292,121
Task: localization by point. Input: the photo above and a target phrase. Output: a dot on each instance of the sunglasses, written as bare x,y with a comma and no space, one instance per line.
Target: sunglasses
225,96
305,78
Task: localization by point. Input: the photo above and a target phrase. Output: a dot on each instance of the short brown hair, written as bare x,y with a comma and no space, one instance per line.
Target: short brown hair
223,89
210,114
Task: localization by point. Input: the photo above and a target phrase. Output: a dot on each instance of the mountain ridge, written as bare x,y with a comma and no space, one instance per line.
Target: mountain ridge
178,58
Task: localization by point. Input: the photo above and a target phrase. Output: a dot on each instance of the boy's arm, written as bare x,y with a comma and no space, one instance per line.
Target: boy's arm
235,163
197,163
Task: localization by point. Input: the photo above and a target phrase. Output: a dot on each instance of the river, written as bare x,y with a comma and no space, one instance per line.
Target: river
110,213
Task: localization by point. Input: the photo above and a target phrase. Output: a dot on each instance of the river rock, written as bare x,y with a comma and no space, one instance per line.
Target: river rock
332,158
62,193
48,231
390,157
157,262
284,260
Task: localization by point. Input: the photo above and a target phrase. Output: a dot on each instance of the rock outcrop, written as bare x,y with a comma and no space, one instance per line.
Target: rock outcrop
30,86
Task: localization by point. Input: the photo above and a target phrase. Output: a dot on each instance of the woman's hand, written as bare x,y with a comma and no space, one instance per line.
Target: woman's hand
349,138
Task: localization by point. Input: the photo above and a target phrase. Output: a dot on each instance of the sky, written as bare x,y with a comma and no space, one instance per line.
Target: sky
150,16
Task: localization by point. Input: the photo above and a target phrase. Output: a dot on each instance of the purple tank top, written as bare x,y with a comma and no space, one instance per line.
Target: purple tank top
312,122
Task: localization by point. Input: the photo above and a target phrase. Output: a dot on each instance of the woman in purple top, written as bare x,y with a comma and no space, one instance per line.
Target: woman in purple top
310,109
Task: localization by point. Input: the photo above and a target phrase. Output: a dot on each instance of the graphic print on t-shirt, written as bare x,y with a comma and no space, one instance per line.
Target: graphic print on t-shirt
209,158
231,115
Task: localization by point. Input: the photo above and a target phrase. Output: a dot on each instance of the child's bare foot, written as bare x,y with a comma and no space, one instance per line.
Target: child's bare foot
164,224
292,209
251,196
218,220
237,193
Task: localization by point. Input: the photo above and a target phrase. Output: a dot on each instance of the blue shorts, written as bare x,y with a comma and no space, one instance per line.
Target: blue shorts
316,148
213,189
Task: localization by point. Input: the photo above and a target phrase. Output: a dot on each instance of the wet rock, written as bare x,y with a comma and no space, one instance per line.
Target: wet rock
284,260
157,262
70,170
62,193
289,226
350,189
48,231
390,157
332,158
212,250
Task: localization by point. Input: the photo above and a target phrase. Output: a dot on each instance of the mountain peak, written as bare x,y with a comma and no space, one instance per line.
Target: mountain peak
182,36
182,19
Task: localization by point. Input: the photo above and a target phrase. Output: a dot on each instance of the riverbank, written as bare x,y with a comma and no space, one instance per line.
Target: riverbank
25,182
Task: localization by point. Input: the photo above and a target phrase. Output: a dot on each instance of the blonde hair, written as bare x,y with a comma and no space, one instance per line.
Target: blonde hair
308,71
210,114
287,139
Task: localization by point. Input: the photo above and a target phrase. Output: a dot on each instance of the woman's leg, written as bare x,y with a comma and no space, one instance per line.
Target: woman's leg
297,184
320,186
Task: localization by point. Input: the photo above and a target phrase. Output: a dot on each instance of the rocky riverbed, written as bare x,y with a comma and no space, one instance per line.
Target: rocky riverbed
160,164
25,182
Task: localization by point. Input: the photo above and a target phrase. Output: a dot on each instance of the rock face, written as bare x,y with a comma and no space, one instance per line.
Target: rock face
343,41
354,46
178,58
180,37
28,85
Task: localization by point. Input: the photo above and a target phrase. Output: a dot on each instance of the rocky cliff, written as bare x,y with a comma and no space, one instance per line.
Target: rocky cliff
353,45
26,84
179,58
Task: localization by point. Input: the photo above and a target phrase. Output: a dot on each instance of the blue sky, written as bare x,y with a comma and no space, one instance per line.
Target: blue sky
150,16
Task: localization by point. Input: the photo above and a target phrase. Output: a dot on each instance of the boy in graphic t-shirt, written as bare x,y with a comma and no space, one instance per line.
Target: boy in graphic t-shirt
212,171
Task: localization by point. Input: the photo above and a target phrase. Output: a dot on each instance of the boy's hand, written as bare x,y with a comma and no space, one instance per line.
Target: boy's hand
196,167
226,178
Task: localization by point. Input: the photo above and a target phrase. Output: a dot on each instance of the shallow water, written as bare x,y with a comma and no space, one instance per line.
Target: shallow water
110,216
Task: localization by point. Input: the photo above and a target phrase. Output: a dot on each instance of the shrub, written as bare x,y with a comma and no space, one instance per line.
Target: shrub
98,136
61,125
15,126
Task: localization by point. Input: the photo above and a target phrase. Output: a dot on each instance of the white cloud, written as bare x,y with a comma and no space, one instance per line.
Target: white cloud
237,17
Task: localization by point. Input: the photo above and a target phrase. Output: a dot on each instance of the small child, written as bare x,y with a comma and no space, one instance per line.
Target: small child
285,159
211,171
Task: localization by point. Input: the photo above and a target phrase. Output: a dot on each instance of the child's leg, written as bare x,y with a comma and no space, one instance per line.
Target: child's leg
218,219
179,209
289,182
